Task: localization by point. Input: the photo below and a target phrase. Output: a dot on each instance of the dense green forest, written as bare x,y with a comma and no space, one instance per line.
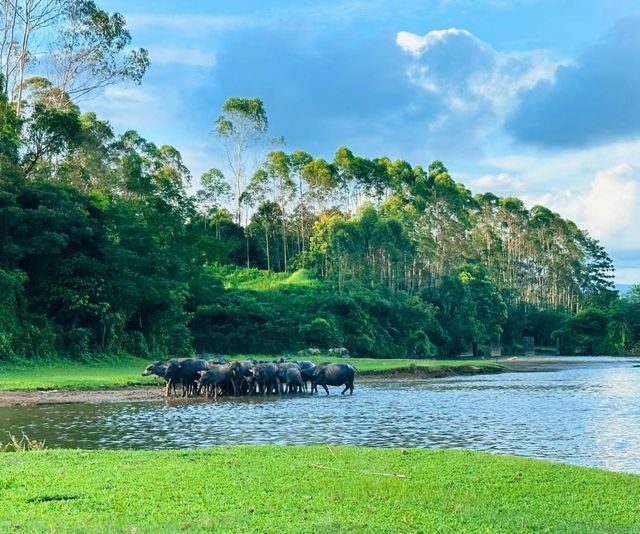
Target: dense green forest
107,248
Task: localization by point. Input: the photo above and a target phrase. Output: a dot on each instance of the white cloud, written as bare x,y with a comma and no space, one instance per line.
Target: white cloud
563,170
469,75
609,208
416,45
613,201
190,57
503,183
598,188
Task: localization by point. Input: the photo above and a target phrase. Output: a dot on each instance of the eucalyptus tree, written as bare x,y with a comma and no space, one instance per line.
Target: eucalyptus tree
277,180
93,51
214,191
321,179
242,128
264,227
10,126
89,166
75,44
356,177
49,131
298,160
443,222
485,232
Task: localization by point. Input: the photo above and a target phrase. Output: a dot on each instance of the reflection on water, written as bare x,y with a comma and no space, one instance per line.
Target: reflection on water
588,414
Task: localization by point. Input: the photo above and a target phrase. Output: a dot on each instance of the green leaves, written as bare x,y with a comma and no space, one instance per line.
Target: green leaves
244,110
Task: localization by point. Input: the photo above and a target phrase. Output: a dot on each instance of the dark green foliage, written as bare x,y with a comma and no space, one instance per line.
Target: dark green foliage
373,322
584,333
9,131
320,333
104,251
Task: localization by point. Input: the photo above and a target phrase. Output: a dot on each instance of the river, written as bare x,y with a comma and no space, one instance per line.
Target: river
585,412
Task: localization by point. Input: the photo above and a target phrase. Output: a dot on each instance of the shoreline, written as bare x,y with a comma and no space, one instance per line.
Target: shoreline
152,393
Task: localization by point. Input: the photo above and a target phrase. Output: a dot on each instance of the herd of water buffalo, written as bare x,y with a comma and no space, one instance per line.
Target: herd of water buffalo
201,377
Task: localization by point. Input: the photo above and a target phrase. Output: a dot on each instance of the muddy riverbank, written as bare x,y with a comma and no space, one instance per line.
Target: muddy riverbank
156,392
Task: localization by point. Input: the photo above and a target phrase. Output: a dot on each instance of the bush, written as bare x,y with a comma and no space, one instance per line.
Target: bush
320,333
420,346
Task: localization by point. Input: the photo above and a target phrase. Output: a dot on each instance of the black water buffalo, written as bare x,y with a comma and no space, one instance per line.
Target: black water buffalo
307,370
335,374
266,376
310,373
291,378
157,368
186,372
219,377
241,372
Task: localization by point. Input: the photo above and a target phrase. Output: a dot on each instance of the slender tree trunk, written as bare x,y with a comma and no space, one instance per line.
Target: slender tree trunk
12,31
23,55
266,238
284,242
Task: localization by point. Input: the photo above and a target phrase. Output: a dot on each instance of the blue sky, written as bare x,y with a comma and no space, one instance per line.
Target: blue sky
534,98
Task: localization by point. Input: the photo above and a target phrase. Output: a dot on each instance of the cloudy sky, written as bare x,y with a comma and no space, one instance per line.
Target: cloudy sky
534,98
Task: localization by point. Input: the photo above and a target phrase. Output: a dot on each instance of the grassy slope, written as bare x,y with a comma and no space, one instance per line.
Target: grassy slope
127,372
309,489
256,280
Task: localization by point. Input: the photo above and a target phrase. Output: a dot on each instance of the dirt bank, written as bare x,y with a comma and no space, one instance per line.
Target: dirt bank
432,372
62,396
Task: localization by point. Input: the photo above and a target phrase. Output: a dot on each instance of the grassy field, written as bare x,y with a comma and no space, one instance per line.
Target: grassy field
256,280
128,372
309,489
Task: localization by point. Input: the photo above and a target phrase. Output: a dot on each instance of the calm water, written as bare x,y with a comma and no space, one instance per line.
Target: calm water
586,413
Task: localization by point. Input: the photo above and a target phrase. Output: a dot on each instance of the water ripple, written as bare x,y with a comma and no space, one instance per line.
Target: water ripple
585,415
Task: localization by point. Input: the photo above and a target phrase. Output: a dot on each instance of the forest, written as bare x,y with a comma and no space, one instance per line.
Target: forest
107,247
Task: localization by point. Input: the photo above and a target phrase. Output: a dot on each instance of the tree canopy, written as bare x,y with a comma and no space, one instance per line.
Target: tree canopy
105,249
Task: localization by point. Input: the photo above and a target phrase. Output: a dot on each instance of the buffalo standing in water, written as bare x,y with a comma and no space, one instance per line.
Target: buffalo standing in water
335,374
186,372
217,377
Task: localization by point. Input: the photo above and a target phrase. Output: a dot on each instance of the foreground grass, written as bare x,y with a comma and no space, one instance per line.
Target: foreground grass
127,372
309,489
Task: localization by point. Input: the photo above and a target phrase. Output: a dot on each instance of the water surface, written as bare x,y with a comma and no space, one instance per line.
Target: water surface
584,413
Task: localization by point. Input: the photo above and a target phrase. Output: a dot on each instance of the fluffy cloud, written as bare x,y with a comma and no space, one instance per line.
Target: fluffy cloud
503,184
609,209
594,101
472,79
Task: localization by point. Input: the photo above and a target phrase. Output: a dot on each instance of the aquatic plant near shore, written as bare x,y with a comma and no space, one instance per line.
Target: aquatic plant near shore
22,444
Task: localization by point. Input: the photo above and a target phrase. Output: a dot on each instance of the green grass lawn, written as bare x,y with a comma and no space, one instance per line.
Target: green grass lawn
309,489
128,372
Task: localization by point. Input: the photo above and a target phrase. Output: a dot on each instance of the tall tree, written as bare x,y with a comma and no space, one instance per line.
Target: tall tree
75,44
215,190
242,127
